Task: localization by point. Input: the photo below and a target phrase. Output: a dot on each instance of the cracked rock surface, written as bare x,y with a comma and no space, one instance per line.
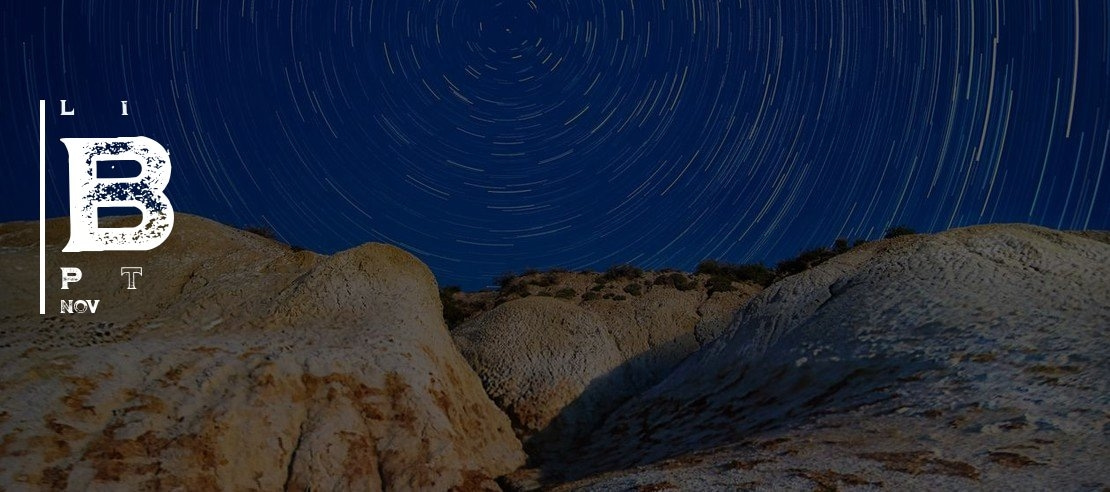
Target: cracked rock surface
238,364
970,359
557,366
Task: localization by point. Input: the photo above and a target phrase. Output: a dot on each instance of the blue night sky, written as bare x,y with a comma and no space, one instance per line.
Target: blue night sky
488,136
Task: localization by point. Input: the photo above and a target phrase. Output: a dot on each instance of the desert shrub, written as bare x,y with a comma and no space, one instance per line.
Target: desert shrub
899,230
515,288
804,261
682,282
841,246
676,280
749,272
752,272
450,290
719,283
544,293
545,280
859,242
619,298
455,311
567,293
598,287
708,267
634,288
590,296
505,279
619,272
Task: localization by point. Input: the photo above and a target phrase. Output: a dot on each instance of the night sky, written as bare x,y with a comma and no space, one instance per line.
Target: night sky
488,136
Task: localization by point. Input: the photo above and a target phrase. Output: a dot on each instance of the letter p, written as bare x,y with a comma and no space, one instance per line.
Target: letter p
87,193
70,275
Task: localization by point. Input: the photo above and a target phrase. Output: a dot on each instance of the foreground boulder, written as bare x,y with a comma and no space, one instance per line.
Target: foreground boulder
552,366
557,367
974,358
238,363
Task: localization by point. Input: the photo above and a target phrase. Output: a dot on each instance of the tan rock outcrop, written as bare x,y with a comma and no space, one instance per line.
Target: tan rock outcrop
970,359
238,363
542,361
557,367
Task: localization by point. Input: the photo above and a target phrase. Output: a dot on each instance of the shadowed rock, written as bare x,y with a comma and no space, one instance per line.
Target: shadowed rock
974,358
557,367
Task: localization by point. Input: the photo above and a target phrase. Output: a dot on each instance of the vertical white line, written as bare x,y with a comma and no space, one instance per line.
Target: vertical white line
42,206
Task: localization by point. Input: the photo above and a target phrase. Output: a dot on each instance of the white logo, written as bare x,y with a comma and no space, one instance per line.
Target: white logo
87,193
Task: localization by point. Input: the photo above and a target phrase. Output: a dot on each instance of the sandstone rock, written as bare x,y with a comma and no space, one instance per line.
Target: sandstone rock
974,358
238,364
551,366
558,366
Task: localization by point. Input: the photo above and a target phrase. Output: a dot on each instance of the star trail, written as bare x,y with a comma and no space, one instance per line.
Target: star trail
487,136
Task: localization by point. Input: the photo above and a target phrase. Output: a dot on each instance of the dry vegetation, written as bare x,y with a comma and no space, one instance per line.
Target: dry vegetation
622,282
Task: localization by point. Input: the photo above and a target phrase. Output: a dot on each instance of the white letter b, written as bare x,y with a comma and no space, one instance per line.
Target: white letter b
87,193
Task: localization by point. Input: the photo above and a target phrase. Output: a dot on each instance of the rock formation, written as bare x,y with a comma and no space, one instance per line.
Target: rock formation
970,359
974,358
550,365
557,366
238,363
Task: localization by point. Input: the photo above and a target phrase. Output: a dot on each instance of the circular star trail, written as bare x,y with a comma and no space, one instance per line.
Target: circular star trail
487,136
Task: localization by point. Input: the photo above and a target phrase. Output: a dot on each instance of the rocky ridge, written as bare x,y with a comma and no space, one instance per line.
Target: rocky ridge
242,364
973,358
